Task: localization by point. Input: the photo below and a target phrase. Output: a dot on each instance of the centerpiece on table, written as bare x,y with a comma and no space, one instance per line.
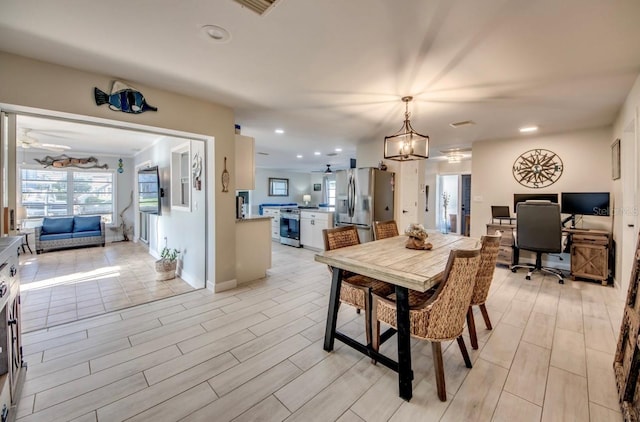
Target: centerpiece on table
417,237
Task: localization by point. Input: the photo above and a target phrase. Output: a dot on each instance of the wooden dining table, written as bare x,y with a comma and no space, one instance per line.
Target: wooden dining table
388,260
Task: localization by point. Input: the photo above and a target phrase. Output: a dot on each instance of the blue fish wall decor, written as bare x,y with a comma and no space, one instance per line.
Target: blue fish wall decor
123,98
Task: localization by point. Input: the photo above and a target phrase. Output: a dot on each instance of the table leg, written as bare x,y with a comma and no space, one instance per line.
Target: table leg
405,375
332,313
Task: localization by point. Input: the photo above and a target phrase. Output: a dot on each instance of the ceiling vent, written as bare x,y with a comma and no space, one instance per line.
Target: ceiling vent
332,154
258,6
262,153
456,125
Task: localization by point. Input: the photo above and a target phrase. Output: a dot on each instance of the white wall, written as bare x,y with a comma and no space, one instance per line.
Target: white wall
299,184
68,91
587,168
183,229
625,189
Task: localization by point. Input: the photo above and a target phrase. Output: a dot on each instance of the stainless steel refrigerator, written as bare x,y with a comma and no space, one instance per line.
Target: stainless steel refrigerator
363,196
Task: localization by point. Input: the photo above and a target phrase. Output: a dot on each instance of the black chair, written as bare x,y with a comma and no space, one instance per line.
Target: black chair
539,229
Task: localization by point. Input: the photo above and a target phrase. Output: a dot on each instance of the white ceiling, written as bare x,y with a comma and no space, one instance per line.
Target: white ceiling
331,73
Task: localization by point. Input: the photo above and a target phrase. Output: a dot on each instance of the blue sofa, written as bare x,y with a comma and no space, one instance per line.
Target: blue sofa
69,232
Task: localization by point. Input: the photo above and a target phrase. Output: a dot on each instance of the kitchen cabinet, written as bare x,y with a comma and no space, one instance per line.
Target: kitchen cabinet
245,163
311,226
274,213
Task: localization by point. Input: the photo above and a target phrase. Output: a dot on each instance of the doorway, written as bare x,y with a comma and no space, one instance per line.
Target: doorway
453,203
121,274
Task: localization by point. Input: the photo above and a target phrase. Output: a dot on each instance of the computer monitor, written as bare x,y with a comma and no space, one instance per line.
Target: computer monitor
585,203
522,197
500,211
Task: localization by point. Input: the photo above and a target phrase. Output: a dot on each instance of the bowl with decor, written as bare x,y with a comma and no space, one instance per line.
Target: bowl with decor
417,237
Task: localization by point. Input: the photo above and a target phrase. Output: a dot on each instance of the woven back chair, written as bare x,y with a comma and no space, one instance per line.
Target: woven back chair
437,317
356,289
488,256
384,229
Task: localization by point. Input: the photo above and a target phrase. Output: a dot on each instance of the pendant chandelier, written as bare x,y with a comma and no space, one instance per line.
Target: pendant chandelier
407,144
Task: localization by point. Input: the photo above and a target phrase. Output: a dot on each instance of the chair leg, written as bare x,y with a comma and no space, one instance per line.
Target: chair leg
367,317
471,325
438,366
465,354
485,315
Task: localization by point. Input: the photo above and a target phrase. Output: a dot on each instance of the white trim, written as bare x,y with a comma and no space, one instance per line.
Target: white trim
224,285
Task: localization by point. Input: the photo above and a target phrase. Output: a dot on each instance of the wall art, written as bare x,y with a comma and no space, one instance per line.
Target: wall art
537,168
615,159
123,98
62,161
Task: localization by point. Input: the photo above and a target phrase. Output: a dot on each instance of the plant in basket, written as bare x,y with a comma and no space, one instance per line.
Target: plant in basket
417,237
166,265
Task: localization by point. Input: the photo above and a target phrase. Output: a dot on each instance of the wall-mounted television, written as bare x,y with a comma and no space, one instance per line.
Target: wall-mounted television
585,203
149,191
522,197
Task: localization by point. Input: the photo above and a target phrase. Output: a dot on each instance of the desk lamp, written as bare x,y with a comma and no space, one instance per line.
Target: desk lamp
306,199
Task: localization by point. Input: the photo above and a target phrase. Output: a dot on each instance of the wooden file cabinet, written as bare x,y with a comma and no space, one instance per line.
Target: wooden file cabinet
505,256
590,254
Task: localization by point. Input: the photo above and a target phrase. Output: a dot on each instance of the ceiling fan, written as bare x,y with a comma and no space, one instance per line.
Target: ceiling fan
325,171
26,140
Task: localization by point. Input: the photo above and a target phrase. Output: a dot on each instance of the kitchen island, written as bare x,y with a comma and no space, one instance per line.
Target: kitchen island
253,248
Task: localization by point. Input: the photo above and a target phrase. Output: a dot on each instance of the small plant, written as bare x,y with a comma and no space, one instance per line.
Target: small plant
169,255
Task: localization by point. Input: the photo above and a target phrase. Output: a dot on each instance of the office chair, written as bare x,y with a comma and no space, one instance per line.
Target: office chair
538,229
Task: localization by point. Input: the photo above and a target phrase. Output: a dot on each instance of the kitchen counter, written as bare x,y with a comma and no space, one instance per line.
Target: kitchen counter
253,218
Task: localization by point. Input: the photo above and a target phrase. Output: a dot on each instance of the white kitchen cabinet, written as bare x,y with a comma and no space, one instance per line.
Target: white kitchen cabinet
245,163
311,226
275,222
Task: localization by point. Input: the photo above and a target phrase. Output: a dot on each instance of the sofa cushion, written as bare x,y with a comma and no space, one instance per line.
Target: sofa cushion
57,236
86,224
57,225
86,234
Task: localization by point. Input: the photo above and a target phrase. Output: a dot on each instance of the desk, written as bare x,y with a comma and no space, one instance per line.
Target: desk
388,260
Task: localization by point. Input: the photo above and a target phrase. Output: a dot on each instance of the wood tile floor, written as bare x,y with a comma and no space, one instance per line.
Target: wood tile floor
255,353
67,285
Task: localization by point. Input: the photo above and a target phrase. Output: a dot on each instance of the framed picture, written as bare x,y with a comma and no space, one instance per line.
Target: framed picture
278,187
317,187
615,159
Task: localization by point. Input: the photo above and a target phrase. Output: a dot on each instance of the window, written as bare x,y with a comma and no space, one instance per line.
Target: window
54,193
93,194
181,177
331,192
278,187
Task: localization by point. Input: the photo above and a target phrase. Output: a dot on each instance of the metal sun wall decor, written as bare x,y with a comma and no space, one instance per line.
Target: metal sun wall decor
62,161
537,168
123,98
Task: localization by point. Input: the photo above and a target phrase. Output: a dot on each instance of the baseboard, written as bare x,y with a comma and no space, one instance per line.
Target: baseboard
189,278
225,285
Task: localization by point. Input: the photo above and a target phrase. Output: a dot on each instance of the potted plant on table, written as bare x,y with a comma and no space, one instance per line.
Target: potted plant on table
166,265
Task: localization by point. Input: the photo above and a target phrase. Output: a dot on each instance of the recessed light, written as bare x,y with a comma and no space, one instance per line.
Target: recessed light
338,149
299,156
317,153
217,33
280,131
528,129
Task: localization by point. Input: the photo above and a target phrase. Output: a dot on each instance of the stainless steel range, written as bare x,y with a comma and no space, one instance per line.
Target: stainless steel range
290,226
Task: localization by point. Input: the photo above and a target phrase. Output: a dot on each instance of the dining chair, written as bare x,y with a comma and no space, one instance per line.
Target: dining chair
488,256
439,316
384,229
356,289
